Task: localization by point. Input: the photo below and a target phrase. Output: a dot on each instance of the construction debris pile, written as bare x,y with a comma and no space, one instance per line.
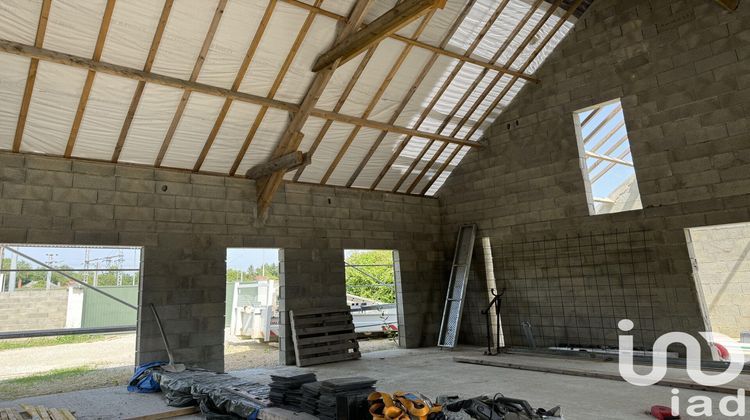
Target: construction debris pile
285,387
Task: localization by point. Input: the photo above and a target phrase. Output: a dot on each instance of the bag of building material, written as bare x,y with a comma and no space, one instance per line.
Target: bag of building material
143,380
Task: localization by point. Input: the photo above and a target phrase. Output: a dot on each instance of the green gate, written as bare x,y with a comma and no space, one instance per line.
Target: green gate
101,311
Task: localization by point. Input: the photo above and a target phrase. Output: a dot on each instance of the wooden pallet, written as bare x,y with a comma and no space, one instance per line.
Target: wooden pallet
36,413
323,335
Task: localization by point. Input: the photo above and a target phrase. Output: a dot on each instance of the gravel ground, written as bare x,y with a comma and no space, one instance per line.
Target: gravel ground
112,363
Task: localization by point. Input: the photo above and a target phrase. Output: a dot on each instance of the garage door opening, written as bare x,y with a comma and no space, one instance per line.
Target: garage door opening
720,255
68,317
371,293
251,337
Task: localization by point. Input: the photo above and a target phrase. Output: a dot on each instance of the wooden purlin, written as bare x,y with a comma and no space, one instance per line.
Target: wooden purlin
292,136
274,88
89,83
610,150
163,18
339,104
497,100
552,8
375,99
436,97
236,84
218,13
610,165
410,93
415,42
23,50
41,29
447,120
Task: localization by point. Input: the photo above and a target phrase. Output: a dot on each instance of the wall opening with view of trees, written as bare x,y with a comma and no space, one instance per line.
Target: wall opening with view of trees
371,290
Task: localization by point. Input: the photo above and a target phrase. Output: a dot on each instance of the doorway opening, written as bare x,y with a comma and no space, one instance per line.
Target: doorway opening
372,280
720,255
69,317
251,327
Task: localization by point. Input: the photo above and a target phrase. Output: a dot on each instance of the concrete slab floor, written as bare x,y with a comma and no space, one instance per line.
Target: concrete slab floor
430,372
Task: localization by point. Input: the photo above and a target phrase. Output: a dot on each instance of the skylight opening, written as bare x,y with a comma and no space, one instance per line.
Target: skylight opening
606,159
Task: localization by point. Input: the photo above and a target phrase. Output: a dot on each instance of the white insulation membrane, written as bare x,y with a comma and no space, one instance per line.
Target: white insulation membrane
344,154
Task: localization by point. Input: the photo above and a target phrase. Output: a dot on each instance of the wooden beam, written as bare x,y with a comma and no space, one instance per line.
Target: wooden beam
290,139
284,163
24,50
436,97
41,29
609,166
609,159
516,30
218,13
237,82
730,5
339,104
610,150
142,83
274,88
410,93
89,83
601,124
375,99
391,21
497,100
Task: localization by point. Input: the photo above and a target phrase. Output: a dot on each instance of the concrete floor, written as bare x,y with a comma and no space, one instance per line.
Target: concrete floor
430,372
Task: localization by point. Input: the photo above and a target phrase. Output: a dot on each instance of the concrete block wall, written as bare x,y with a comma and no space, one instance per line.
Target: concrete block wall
722,269
186,221
682,71
40,309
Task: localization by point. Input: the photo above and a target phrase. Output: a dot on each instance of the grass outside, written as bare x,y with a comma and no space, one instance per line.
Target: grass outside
49,341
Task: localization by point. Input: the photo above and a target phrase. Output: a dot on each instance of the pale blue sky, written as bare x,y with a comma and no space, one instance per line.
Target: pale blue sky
242,258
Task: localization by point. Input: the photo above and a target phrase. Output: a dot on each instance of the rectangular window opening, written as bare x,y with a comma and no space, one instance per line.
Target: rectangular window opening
606,159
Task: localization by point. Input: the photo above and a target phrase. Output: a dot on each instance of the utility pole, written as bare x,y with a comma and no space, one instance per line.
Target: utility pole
2,273
50,261
13,273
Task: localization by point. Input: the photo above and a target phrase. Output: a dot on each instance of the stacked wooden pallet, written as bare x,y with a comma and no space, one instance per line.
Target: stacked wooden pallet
323,335
36,413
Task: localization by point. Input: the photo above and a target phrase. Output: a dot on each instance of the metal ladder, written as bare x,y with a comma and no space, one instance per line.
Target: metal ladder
454,299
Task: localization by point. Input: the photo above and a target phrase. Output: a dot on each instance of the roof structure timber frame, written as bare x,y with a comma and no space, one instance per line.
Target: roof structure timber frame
497,100
218,13
550,10
20,49
31,77
236,84
158,33
410,93
376,98
89,83
390,22
438,50
730,5
274,88
292,136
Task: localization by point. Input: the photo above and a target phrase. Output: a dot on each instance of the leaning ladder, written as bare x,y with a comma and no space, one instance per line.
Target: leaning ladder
454,299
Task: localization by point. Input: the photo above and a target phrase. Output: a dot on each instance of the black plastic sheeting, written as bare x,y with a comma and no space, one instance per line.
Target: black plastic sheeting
215,393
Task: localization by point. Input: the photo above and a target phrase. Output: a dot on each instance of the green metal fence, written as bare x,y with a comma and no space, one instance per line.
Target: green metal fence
101,311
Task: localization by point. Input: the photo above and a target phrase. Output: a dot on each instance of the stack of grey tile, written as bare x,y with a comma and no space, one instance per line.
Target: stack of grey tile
286,387
341,397
310,395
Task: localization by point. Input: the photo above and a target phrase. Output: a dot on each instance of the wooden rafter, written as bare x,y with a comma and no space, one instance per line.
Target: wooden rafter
551,9
339,104
610,150
419,44
591,116
89,83
608,159
142,83
610,165
410,93
218,13
274,88
291,138
607,136
375,99
601,125
516,30
436,97
236,84
391,21
41,29
497,100
15,48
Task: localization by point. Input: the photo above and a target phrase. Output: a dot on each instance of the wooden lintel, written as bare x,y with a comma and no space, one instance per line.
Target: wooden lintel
391,21
286,163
